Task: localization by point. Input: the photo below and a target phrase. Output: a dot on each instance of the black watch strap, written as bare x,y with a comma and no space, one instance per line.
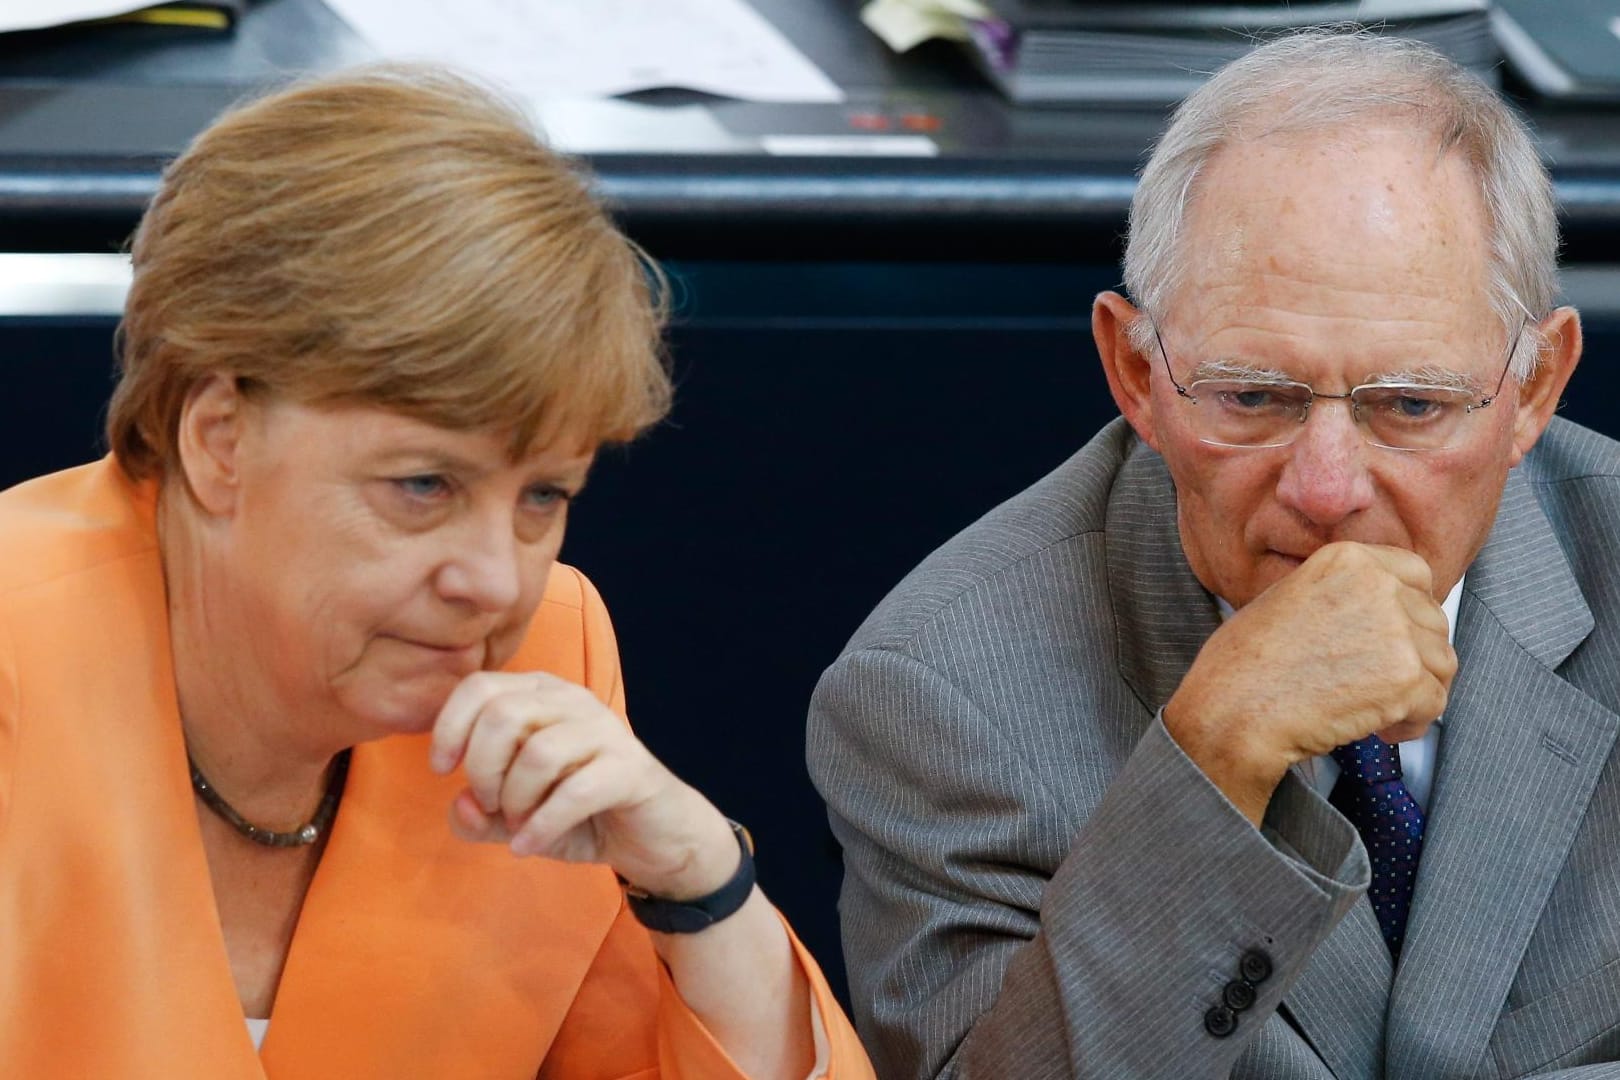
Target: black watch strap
690,916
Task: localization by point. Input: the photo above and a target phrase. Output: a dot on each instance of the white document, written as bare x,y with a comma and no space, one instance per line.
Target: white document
38,14
550,49
850,145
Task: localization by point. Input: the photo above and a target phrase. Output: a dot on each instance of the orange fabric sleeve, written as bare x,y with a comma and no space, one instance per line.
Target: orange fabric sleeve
10,713
627,978
602,673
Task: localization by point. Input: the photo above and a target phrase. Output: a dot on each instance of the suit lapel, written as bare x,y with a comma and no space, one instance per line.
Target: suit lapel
443,964
1520,754
417,953
1162,614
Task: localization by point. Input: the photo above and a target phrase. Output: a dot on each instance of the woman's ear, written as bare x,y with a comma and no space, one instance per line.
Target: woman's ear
1129,372
1540,394
210,442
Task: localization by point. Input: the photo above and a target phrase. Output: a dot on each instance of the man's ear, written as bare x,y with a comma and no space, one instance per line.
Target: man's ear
210,442
1129,372
1540,394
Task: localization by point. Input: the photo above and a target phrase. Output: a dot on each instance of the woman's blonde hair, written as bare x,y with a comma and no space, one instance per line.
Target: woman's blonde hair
394,236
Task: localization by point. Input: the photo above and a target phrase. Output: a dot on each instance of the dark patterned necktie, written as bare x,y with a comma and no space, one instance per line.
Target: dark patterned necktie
1372,795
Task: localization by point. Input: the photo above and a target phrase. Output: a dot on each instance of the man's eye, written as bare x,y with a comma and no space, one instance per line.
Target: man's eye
425,486
1416,408
1412,408
1254,399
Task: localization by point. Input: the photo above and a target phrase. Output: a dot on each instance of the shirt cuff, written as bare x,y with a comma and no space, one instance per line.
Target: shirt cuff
818,1032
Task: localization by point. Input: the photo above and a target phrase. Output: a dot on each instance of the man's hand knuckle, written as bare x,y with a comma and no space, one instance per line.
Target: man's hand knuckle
1405,665
1337,555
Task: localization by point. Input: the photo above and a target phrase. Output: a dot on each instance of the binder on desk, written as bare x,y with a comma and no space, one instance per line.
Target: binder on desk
1565,50
1058,52
201,14
219,15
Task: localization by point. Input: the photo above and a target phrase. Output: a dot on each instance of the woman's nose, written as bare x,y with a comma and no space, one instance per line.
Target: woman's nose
485,569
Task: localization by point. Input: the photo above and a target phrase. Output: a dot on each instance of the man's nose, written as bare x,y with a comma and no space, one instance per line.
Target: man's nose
1326,477
485,567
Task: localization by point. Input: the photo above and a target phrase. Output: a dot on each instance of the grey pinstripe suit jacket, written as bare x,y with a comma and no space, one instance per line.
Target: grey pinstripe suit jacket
1038,883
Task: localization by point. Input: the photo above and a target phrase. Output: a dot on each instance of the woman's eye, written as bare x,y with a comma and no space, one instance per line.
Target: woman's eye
545,496
425,486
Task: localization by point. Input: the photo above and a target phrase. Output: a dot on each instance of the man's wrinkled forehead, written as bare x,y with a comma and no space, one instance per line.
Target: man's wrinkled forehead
1304,220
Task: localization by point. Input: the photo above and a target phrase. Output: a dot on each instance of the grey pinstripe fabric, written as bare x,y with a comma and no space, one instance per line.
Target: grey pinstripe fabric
1039,884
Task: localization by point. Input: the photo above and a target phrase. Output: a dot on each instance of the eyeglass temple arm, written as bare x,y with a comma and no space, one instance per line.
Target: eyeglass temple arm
1513,347
1165,356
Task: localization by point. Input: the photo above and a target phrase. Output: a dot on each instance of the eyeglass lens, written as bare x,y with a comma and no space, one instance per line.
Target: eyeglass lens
1237,412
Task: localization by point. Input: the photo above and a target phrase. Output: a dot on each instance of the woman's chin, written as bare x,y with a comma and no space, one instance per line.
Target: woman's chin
403,709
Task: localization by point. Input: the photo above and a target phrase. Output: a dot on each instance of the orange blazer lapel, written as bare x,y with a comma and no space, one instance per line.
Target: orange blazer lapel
419,954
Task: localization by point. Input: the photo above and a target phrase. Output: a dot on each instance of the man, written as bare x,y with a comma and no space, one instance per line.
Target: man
1107,767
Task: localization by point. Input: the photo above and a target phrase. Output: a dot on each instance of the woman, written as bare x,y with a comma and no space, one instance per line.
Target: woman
288,680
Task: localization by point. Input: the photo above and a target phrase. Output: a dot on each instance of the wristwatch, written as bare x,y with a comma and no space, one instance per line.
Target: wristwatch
690,916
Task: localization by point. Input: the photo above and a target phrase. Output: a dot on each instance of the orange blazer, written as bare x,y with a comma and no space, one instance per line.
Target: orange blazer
416,954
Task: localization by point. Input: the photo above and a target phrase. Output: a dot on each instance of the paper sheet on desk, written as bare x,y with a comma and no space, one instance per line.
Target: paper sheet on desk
37,14
548,49
905,24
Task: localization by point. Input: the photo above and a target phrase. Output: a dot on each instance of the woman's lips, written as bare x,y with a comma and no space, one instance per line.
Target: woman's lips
449,648
466,658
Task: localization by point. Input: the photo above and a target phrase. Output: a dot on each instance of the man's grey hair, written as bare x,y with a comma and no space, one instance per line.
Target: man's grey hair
1327,80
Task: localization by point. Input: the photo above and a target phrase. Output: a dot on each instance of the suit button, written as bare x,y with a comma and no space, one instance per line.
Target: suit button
1238,995
1255,966
1220,1021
